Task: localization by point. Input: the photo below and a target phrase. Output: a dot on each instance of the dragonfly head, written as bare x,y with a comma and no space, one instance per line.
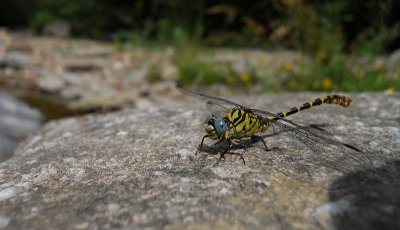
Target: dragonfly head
215,126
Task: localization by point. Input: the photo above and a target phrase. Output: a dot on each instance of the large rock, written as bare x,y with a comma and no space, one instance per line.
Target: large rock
16,60
17,122
138,169
5,40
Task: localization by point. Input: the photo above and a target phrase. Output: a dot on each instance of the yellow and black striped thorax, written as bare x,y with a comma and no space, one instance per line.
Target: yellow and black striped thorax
330,99
243,123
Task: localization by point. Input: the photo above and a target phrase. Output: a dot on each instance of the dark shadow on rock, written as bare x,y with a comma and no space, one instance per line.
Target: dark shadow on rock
221,146
374,195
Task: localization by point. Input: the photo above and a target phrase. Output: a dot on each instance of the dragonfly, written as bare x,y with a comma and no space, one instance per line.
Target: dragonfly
237,125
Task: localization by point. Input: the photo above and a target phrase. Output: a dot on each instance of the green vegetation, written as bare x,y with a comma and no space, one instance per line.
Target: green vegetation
340,73
333,69
337,72
342,40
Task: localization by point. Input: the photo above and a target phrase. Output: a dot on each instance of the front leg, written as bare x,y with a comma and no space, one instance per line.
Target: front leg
202,140
201,144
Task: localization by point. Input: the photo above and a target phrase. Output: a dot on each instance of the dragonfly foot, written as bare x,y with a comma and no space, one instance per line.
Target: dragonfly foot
222,157
241,157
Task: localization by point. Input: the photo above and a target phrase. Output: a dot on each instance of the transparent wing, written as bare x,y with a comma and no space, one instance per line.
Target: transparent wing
209,99
322,150
216,109
224,103
268,116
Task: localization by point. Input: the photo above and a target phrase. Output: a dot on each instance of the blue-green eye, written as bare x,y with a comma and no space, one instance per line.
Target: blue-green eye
208,118
220,126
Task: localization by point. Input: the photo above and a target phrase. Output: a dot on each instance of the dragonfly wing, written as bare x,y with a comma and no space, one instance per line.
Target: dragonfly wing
217,106
216,109
273,116
209,99
322,150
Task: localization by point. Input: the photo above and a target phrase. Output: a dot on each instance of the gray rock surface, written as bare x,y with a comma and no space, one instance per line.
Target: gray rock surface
83,75
17,60
17,121
138,170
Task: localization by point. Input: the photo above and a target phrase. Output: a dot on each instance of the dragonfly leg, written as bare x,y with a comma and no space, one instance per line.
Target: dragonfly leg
244,146
202,141
222,156
201,144
242,158
216,143
255,138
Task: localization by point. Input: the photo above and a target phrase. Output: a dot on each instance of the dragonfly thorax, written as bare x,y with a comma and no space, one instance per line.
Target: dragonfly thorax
215,126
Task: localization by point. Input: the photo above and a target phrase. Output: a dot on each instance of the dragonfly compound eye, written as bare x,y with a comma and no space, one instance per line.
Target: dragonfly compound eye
208,118
220,126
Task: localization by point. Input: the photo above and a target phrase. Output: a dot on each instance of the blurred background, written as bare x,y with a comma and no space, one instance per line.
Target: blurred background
67,57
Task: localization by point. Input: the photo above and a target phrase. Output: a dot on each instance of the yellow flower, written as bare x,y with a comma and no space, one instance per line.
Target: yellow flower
245,77
231,79
287,67
327,83
391,90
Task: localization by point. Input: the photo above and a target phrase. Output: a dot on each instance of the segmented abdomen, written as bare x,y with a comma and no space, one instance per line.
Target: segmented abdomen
330,99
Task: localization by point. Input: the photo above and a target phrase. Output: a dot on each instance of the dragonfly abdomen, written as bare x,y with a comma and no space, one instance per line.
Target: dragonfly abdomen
330,99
